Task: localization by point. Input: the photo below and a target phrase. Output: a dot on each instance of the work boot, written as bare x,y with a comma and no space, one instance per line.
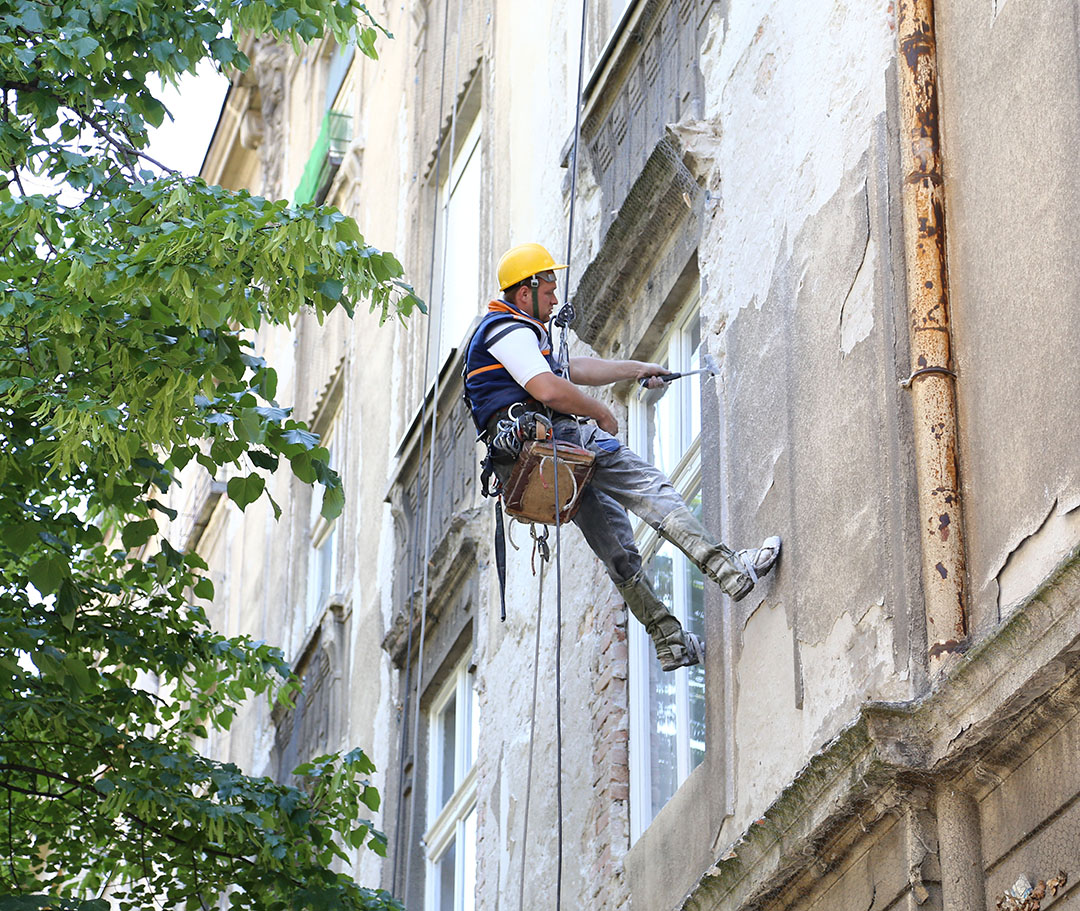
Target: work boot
735,573
675,647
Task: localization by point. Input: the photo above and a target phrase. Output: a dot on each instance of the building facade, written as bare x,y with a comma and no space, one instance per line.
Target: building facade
861,212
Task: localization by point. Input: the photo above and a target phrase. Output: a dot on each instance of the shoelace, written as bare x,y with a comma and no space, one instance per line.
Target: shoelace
748,564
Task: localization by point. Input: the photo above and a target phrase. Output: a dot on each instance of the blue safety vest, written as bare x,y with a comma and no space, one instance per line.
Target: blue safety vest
488,384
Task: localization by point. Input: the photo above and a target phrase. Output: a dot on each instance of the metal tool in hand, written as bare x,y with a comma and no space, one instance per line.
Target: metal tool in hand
650,396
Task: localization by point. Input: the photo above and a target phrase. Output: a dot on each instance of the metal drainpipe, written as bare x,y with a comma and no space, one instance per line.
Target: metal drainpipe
931,382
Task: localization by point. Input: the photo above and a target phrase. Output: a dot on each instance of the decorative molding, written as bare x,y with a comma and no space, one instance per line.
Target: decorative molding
990,714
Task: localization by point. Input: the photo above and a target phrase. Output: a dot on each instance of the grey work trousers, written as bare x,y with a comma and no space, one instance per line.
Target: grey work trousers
624,481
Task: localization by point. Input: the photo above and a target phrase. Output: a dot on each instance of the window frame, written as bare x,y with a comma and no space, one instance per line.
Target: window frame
675,347
448,825
468,151
320,533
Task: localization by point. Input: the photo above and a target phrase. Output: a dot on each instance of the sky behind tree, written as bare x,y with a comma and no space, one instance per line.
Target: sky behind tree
195,106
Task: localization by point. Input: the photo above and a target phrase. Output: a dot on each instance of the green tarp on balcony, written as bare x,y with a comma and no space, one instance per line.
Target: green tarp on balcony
326,155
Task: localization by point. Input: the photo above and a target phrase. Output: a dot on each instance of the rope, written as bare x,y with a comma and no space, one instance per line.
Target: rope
555,461
429,492
564,363
532,735
558,675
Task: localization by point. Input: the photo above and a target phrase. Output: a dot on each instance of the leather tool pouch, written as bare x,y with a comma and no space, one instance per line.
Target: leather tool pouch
529,493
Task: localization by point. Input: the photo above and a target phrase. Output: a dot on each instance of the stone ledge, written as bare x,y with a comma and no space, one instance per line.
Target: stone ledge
1027,674
452,560
663,203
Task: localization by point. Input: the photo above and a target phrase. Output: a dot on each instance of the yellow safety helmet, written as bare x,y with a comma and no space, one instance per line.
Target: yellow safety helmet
520,262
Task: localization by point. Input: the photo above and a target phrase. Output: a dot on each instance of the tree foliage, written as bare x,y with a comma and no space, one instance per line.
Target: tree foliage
127,305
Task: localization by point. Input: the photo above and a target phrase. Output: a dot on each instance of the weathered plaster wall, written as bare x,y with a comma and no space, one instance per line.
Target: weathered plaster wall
800,302
1010,120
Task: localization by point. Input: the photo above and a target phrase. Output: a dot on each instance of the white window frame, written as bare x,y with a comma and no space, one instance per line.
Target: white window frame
458,301
454,823
322,534
674,350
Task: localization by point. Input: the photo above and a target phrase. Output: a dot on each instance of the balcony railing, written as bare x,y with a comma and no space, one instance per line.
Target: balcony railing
453,484
651,79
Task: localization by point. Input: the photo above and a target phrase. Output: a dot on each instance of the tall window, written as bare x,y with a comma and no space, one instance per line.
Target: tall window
605,25
667,710
451,835
457,296
322,561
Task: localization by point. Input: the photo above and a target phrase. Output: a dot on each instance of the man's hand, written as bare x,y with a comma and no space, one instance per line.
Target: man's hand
653,373
608,422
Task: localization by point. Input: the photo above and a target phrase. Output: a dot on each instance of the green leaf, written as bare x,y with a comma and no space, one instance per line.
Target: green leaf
331,289
298,437
333,502
19,535
204,589
137,533
245,490
47,574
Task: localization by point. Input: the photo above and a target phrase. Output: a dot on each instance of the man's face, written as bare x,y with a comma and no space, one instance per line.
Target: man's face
546,299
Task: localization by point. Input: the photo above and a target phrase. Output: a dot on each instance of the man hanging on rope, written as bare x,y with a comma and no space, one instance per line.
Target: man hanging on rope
510,361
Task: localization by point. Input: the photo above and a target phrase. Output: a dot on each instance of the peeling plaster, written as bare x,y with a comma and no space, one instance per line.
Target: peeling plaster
768,727
1036,555
780,167
853,663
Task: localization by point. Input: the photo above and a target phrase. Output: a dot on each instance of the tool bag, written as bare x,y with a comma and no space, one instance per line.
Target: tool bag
529,493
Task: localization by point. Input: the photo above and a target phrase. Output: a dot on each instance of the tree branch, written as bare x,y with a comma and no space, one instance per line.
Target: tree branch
119,146
11,843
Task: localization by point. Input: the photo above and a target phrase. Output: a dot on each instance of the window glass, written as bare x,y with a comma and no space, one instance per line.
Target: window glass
667,709
469,872
451,835
338,66
448,733
322,561
458,244
606,20
446,880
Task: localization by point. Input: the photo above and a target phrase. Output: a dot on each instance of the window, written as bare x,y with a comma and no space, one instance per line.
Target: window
337,67
667,710
457,242
322,561
605,25
451,836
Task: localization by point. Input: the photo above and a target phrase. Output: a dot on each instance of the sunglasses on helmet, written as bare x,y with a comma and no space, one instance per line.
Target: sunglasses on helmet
548,276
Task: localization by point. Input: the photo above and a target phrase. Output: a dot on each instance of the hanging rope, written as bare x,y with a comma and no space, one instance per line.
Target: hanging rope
558,672
566,317
532,717
429,491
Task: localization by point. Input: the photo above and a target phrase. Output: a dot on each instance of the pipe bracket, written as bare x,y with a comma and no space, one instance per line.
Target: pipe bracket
906,384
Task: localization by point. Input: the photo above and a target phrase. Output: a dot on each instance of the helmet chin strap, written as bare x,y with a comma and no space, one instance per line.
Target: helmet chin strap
534,283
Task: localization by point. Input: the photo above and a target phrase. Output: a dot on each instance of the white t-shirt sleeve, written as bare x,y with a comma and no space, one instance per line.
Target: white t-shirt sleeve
518,352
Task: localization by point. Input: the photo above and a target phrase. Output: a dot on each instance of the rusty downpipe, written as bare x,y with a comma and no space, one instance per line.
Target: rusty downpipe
932,379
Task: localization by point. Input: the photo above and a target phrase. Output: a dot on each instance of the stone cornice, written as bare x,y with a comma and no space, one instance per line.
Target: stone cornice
1022,680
